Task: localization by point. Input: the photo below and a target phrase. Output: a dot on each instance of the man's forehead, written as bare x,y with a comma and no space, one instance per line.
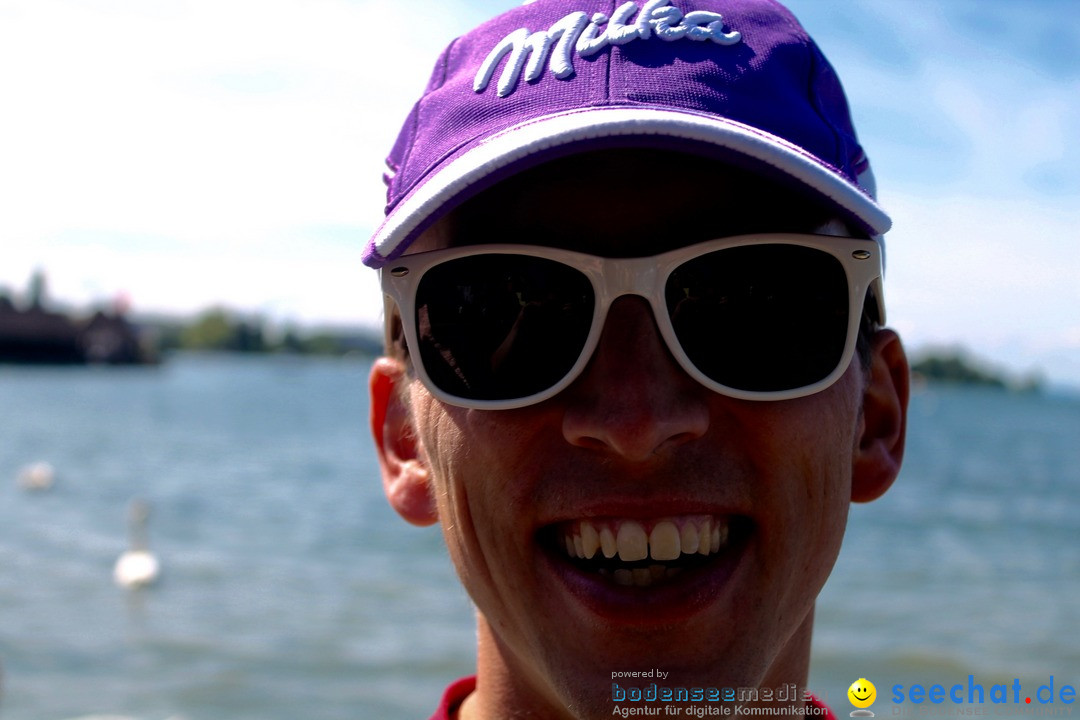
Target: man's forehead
626,202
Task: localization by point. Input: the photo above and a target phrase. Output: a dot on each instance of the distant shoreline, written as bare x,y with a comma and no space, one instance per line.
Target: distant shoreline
35,334
957,367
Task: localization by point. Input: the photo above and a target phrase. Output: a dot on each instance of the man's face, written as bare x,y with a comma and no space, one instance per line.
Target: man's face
636,446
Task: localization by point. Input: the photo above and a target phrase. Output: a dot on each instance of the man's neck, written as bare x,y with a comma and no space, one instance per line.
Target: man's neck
505,689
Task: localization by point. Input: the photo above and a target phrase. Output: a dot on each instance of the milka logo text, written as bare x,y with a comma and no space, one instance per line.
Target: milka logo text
578,32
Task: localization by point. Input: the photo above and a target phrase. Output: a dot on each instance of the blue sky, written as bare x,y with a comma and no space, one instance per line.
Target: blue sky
196,152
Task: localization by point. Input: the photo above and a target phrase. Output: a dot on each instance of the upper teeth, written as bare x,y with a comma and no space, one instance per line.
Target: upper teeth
666,540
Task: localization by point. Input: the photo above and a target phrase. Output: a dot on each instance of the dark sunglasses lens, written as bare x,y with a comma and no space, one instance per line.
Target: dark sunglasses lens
761,318
501,327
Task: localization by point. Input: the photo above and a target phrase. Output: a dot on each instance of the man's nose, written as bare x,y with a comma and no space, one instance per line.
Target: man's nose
633,399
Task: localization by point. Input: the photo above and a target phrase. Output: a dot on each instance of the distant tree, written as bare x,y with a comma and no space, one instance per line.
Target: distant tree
37,290
247,337
959,367
325,344
212,330
956,369
291,342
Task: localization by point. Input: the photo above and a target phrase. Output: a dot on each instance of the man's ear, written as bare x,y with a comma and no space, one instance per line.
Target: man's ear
880,448
405,474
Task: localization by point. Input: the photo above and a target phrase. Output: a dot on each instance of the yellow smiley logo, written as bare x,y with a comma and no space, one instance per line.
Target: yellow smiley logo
862,693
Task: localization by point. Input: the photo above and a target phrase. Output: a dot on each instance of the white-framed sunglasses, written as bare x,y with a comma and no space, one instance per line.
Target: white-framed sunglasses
755,317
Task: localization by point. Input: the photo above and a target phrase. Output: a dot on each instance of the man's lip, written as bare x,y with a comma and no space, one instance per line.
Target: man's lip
639,506
674,598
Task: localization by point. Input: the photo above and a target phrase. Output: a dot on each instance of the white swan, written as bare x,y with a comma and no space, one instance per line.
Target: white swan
137,567
37,477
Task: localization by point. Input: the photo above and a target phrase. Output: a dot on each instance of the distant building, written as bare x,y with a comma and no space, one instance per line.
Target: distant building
112,340
35,335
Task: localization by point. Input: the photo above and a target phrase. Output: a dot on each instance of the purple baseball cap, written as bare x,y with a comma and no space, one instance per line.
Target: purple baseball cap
737,80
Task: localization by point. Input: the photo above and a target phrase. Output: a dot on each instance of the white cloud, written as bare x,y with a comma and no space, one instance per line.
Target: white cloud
194,152
995,275
205,122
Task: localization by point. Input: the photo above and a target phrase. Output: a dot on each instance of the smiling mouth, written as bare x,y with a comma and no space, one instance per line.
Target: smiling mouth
643,553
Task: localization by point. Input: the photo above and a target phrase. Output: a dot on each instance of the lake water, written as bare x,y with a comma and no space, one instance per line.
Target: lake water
290,589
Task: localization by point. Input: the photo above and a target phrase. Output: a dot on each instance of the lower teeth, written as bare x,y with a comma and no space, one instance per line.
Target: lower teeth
641,577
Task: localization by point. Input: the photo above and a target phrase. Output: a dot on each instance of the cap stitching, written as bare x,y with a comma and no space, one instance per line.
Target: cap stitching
816,68
815,58
610,61
444,64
